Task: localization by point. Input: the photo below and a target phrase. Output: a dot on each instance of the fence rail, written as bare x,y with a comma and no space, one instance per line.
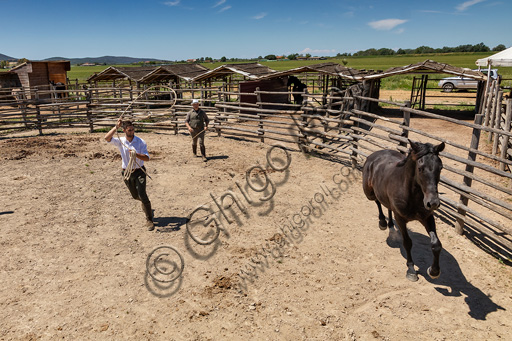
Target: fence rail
475,182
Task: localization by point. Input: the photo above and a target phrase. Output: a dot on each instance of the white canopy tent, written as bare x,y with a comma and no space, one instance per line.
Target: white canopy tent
503,58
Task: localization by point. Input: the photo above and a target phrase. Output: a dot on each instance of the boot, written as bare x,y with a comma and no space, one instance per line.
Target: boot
149,216
203,153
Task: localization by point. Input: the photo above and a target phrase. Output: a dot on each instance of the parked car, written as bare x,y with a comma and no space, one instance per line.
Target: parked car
450,83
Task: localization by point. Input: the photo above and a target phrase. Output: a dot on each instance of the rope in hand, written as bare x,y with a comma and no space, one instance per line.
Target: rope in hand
130,168
202,131
133,154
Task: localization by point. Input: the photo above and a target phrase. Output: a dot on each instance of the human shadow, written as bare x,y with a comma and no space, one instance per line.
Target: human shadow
6,212
218,157
169,224
454,282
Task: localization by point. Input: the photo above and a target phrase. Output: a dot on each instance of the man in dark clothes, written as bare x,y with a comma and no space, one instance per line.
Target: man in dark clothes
197,124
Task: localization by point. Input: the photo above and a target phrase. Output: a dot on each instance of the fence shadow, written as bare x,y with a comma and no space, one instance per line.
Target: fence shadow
498,250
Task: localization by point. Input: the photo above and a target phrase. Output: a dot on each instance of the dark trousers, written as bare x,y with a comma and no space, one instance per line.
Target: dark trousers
198,134
137,185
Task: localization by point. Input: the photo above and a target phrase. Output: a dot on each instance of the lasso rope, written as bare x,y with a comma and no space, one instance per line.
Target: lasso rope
129,169
202,131
133,155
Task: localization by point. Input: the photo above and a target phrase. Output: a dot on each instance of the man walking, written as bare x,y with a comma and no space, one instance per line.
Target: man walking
136,182
197,124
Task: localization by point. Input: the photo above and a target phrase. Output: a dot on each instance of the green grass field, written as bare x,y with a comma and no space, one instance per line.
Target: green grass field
466,60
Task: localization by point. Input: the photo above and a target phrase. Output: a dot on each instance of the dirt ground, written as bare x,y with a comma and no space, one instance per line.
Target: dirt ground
74,251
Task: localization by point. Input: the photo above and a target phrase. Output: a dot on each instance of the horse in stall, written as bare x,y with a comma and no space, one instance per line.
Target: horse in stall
407,186
298,86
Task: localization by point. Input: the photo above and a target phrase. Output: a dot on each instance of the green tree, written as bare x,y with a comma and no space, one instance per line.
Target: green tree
385,52
3,64
499,48
223,59
423,50
271,57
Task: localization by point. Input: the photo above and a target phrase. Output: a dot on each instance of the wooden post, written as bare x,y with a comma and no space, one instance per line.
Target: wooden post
492,114
406,122
260,123
424,91
222,97
475,139
505,139
354,135
39,117
88,96
488,106
497,122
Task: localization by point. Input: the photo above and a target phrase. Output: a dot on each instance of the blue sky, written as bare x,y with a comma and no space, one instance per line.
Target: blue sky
182,29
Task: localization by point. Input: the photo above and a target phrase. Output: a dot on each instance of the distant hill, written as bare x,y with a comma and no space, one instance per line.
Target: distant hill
108,60
4,57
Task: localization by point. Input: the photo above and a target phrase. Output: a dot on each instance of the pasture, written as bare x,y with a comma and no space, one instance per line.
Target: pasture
74,249
403,82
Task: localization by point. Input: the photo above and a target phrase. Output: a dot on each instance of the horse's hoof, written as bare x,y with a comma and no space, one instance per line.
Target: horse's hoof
429,271
383,225
413,277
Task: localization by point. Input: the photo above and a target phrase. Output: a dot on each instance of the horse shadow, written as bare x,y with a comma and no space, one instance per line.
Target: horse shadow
169,224
452,278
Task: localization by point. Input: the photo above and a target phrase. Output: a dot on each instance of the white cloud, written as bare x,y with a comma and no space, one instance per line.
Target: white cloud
219,3
317,51
465,5
224,8
386,24
260,16
172,3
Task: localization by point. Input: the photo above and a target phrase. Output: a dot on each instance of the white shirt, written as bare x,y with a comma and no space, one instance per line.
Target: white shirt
138,144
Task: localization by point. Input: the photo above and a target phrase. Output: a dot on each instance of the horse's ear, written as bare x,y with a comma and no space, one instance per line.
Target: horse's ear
439,148
415,147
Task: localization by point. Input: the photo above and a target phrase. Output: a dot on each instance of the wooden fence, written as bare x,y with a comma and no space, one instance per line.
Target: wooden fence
475,183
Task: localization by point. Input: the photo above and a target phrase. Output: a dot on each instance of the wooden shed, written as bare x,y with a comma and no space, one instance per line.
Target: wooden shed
9,80
36,74
175,73
114,74
231,74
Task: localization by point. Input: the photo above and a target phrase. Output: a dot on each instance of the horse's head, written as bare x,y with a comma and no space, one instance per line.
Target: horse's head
427,171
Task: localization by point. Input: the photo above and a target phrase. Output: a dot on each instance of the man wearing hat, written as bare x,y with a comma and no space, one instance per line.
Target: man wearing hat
197,124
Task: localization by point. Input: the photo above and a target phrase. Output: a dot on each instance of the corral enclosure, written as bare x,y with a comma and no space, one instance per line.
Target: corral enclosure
338,278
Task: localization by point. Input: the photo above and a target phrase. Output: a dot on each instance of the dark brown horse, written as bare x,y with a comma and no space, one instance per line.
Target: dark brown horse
407,186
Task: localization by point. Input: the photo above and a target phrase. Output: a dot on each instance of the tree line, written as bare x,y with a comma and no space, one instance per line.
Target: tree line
481,47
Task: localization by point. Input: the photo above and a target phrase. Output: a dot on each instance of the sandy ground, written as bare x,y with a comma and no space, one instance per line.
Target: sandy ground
74,252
